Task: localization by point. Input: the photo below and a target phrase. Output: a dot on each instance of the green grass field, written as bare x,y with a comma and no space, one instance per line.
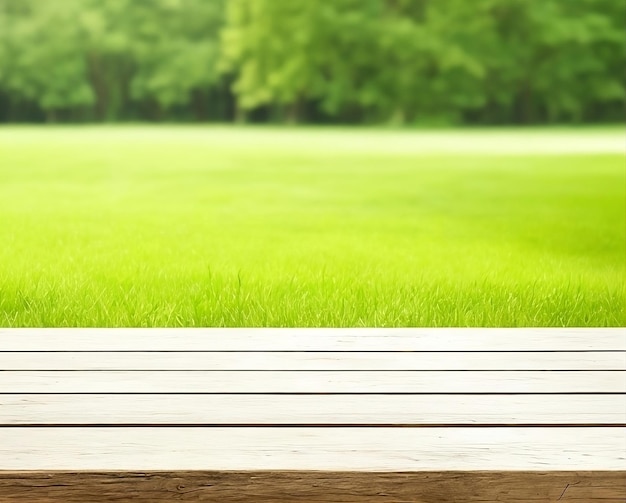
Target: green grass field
209,226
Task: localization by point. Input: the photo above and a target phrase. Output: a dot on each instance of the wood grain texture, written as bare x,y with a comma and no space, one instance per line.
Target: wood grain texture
312,382
171,383
313,487
307,409
313,339
263,360
299,448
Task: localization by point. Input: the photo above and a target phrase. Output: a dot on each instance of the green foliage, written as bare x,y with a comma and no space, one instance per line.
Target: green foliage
41,57
404,61
115,56
508,60
559,59
177,53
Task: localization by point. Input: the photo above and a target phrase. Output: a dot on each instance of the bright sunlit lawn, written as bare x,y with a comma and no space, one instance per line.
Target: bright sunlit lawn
207,226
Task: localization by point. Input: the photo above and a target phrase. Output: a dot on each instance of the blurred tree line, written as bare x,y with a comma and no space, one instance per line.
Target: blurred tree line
347,61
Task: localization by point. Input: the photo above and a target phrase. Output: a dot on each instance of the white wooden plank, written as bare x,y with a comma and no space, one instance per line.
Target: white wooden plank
314,339
309,409
312,382
228,360
380,449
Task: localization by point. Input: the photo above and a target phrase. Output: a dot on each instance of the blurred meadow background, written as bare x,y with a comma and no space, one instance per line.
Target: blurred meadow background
310,163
